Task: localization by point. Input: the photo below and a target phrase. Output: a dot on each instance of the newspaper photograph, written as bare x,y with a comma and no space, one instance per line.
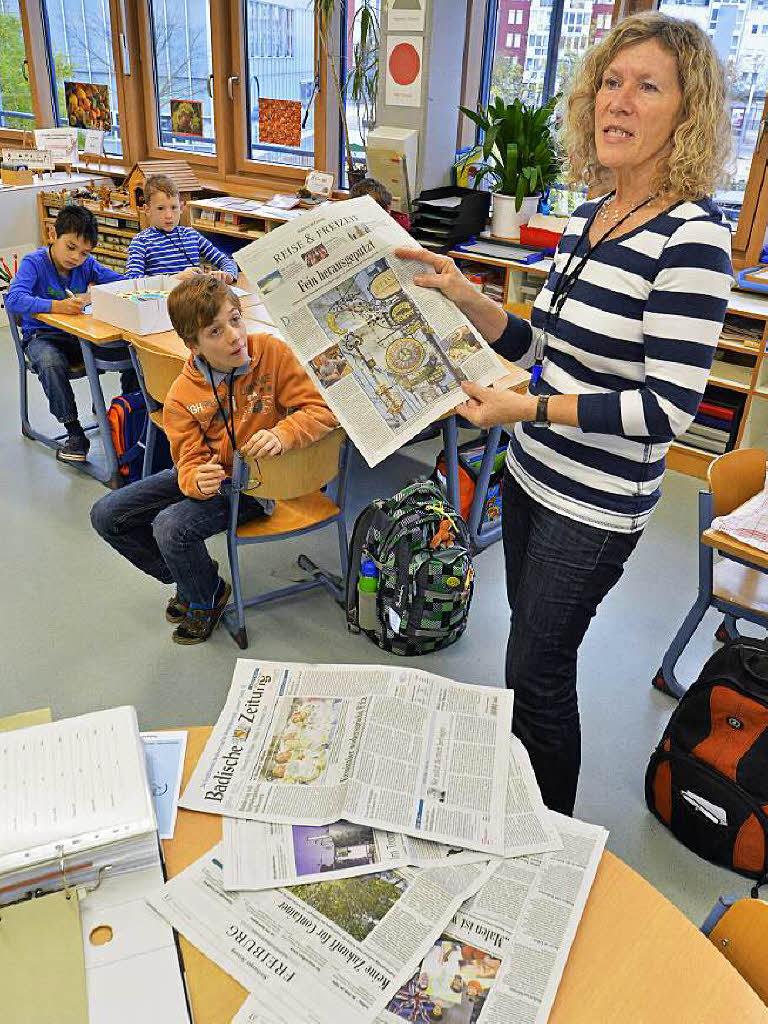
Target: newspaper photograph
387,356
395,749
324,953
259,855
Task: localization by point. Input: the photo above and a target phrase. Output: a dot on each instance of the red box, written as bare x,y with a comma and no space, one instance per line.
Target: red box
539,237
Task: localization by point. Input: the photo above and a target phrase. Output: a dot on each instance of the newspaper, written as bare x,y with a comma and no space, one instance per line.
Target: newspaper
329,953
387,356
258,855
394,748
526,916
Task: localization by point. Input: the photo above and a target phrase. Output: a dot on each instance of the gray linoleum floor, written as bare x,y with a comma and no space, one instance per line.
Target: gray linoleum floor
80,629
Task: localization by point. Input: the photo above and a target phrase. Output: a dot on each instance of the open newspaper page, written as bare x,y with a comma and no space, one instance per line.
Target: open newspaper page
329,953
258,855
388,357
508,945
396,749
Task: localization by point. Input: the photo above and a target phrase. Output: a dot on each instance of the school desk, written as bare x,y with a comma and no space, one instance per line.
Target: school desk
94,335
635,959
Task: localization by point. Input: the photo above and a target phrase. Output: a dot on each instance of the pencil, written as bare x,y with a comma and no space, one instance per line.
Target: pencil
15,263
6,268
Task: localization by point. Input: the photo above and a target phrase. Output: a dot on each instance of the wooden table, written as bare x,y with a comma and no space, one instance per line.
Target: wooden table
635,959
94,335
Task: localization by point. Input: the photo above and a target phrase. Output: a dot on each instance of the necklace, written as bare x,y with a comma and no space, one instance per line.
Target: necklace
610,213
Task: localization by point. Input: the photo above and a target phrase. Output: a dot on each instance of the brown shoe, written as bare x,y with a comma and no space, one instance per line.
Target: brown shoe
199,623
176,610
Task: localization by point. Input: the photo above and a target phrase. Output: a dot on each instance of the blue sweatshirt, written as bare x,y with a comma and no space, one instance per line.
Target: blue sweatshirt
38,283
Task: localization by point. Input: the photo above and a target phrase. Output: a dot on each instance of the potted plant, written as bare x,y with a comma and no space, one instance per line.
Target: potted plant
520,156
362,80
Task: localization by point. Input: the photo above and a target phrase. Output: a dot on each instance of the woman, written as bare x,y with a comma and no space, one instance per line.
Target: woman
623,336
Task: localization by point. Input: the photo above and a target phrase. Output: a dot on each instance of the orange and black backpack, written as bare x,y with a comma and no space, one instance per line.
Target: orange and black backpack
707,780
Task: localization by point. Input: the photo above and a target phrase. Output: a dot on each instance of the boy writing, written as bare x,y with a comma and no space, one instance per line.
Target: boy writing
233,394
54,279
165,247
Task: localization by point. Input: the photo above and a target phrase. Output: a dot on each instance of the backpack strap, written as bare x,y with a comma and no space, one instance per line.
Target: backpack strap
754,892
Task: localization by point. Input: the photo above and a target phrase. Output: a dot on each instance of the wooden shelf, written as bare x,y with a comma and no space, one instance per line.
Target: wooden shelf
103,250
730,375
740,347
126,212
683,458
217,229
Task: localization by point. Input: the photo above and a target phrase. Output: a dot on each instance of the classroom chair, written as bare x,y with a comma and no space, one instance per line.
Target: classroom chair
156,372
294,480
736,584
76,371
739,929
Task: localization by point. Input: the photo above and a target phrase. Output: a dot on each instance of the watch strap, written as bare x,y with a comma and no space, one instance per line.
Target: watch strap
542,416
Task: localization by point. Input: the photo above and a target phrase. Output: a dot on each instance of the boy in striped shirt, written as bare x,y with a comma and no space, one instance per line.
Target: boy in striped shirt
165,247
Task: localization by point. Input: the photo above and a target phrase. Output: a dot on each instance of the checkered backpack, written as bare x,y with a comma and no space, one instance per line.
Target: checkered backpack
420,547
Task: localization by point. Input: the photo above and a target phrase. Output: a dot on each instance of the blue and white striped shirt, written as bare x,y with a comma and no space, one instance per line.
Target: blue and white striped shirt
153,251
635,341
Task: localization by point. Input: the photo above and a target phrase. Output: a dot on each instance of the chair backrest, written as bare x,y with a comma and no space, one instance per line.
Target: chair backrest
735,478
741,935
159,370
297,472
14,322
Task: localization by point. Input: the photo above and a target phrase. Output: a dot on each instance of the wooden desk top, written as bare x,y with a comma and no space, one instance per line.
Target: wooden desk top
635,958
84,326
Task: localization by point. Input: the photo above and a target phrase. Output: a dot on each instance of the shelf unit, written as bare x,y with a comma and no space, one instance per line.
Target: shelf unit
115,224
740,365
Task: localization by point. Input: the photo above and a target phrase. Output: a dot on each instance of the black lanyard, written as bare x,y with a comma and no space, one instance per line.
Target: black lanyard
65,288
229,425
567,280
179,244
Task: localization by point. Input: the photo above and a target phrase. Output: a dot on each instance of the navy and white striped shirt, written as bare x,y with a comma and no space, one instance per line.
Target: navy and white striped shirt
635,341
153,251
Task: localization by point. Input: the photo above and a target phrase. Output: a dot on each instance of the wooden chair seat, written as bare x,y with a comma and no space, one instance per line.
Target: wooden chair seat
740,585
737,548
290,515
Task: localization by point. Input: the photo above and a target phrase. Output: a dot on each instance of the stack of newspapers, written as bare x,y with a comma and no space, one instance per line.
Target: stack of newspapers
386,854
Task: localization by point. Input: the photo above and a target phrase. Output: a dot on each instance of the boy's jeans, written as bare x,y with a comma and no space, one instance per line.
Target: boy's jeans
52,354
162,532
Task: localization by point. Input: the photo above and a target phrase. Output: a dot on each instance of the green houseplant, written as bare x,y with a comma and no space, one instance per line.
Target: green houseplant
362,80
520,156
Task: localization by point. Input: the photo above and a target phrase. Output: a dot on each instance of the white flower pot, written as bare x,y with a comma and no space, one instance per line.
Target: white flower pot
506,220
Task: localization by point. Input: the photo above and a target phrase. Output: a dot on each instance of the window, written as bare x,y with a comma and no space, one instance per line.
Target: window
182,68
280,65
517,40
511,18
519,16
15,94
508,43
79,41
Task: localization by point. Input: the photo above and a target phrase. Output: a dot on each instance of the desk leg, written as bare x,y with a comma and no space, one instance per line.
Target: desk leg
451,449
110,474
492,533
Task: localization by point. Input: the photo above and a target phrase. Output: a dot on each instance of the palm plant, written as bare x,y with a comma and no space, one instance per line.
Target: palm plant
362,82
519,148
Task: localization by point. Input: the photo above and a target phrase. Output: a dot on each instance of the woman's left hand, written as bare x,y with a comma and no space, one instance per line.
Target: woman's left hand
487,407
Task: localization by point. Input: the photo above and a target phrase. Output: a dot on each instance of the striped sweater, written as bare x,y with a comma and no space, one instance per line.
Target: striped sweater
635,341
153,251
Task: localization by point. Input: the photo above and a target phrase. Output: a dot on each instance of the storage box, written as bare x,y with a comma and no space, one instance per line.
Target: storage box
112,304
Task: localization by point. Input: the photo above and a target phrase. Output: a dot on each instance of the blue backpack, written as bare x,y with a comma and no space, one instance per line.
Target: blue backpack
127,417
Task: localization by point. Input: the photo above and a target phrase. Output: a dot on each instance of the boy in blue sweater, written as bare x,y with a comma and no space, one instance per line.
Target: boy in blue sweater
55,279
166,248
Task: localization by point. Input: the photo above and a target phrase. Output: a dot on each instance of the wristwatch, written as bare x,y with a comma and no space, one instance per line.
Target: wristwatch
542,417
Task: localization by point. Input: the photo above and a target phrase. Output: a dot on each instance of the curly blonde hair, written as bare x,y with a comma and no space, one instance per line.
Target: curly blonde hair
700,143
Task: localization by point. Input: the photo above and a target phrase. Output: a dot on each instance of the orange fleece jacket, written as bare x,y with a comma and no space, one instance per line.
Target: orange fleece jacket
274,394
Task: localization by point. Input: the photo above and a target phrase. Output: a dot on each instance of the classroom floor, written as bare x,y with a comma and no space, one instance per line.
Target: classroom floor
80,629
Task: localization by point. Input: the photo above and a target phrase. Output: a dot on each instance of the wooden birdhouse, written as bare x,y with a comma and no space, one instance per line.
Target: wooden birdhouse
179,171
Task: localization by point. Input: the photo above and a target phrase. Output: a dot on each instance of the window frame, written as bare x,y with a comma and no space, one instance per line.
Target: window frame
38,70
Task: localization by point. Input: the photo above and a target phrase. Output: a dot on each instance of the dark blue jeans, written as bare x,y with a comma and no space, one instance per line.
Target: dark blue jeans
52,354
162,532
558,572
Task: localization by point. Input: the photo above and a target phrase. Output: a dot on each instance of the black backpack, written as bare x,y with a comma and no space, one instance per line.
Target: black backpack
707,780
424,591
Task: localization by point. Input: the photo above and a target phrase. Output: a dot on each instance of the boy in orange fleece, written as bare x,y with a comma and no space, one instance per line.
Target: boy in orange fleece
233,393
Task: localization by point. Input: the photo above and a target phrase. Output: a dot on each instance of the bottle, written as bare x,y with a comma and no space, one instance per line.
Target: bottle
367,588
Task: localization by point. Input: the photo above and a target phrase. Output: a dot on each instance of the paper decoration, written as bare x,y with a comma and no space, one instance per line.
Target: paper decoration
187,118
93,142
319,183
404,71
88,105
27,159
406,16
280,122
62,142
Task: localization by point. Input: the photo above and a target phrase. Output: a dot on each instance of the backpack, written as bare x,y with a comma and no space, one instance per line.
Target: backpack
420,547
127,417
470,457
707,780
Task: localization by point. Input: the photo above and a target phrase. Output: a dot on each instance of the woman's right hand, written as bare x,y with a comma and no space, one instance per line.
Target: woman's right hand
444,274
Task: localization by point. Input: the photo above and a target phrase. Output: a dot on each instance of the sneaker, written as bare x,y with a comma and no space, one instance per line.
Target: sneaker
199,623
74,449
177,609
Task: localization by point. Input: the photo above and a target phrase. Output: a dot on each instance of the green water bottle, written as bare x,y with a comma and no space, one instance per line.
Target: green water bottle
367,588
